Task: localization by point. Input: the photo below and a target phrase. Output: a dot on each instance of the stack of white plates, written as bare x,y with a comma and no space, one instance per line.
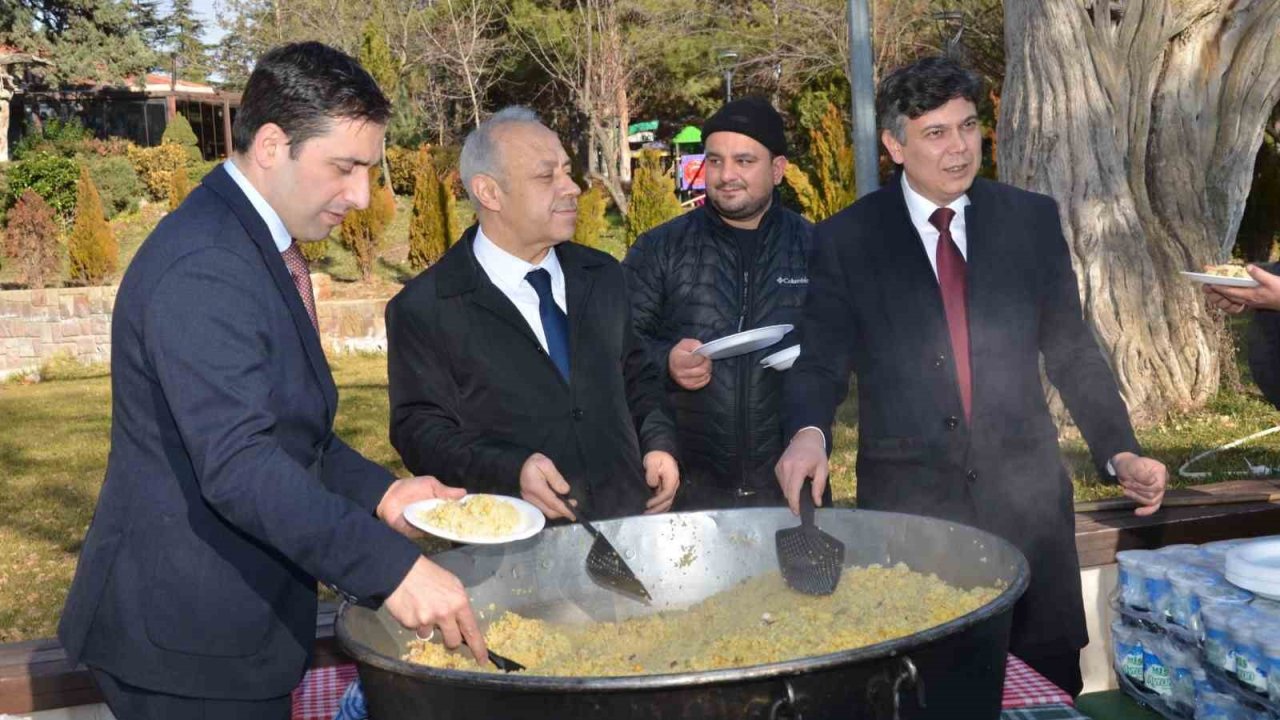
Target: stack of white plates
744,342
1255,566
783,359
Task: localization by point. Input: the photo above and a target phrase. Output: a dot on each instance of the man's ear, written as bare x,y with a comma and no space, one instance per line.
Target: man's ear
779,168
270,145
892,145
487,192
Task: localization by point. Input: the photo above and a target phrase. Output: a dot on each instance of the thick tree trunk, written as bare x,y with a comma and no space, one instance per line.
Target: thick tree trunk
1142,119
4,125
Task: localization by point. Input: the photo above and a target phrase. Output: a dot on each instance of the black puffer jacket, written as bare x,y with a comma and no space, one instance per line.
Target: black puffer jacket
688,281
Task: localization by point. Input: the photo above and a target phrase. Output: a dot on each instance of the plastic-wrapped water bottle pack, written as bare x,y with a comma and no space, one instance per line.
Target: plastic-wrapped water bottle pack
1190,645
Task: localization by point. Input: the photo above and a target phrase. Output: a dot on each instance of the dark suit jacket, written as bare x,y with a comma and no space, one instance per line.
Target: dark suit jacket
874,308
473,394
1264,348
226,491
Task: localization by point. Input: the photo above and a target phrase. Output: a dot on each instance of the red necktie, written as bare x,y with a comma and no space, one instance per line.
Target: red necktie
951,280
301,272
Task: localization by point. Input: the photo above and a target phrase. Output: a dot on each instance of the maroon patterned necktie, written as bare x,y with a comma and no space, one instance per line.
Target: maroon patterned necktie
951,281
301,272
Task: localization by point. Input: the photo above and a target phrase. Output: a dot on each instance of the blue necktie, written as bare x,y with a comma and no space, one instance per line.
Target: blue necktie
555,324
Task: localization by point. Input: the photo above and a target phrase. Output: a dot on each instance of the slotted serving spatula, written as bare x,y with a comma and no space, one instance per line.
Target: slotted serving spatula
605,565
810,560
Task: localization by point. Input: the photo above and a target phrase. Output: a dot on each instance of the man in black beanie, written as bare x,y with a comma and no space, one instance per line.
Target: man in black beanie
735,264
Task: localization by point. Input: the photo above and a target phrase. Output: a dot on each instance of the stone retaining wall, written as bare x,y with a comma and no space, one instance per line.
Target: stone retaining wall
39,325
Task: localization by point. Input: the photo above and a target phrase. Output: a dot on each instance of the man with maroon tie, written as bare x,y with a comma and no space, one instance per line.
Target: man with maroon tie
943,292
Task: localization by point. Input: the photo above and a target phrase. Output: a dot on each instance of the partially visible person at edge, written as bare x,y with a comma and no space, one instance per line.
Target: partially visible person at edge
1264,330
512,364
734,264
943,292
227,493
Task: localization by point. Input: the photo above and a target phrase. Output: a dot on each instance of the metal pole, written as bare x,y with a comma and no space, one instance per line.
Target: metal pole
728,85
866,150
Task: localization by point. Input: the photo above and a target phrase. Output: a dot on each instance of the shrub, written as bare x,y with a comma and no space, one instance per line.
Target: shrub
91,247
362,231
591,222
829,188
111,147
117,182
63,139
428,226
178,132
179,188
52,177
153,166
197,171
653,198
403,165
314,250
31,239
449,205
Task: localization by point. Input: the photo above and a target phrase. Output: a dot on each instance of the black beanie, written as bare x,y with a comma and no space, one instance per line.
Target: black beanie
753,117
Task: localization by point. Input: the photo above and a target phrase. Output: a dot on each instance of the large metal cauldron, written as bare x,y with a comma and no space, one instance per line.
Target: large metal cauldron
957,669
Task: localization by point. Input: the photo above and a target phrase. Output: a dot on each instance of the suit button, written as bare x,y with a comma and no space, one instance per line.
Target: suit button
577,413
940,360
971,476
951,423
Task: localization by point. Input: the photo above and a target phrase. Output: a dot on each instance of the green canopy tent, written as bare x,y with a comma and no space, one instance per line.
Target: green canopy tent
689,135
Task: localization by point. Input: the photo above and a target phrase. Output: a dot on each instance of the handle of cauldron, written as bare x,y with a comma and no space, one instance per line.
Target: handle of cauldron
907,673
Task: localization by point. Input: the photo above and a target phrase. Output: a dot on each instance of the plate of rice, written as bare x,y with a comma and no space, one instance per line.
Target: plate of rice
479,519
1226,275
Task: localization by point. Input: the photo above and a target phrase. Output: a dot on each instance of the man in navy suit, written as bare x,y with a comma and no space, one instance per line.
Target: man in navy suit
943,292
227,494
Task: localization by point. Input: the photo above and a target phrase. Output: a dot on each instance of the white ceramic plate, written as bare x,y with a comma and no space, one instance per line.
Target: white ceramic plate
1255,566
744,342
783,359
1208,279
531,521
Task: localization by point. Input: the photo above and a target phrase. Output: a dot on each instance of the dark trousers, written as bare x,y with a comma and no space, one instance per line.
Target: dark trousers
128,702
1059,667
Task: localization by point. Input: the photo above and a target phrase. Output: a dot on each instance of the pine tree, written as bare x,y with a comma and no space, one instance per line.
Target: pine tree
830,187
91,248
653,198
362,231
375,56
187,48
428,226
591,222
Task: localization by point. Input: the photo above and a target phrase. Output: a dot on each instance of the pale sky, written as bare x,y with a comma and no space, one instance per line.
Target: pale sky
204,8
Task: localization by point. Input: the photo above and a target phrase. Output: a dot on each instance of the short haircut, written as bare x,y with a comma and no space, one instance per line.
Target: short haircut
924,85
480,155
303,88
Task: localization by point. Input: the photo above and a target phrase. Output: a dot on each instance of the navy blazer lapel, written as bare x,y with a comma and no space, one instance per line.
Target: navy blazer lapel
461,274
578,281
221,183
985,293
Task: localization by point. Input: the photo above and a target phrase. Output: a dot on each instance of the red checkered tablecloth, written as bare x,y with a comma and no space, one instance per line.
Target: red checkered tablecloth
1024,687
317,697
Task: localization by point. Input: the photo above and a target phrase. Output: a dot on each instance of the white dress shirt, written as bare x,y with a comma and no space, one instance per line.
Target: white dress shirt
921,208
507,272
279,233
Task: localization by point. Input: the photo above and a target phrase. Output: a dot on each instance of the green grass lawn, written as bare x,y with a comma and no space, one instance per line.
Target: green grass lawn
54,449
